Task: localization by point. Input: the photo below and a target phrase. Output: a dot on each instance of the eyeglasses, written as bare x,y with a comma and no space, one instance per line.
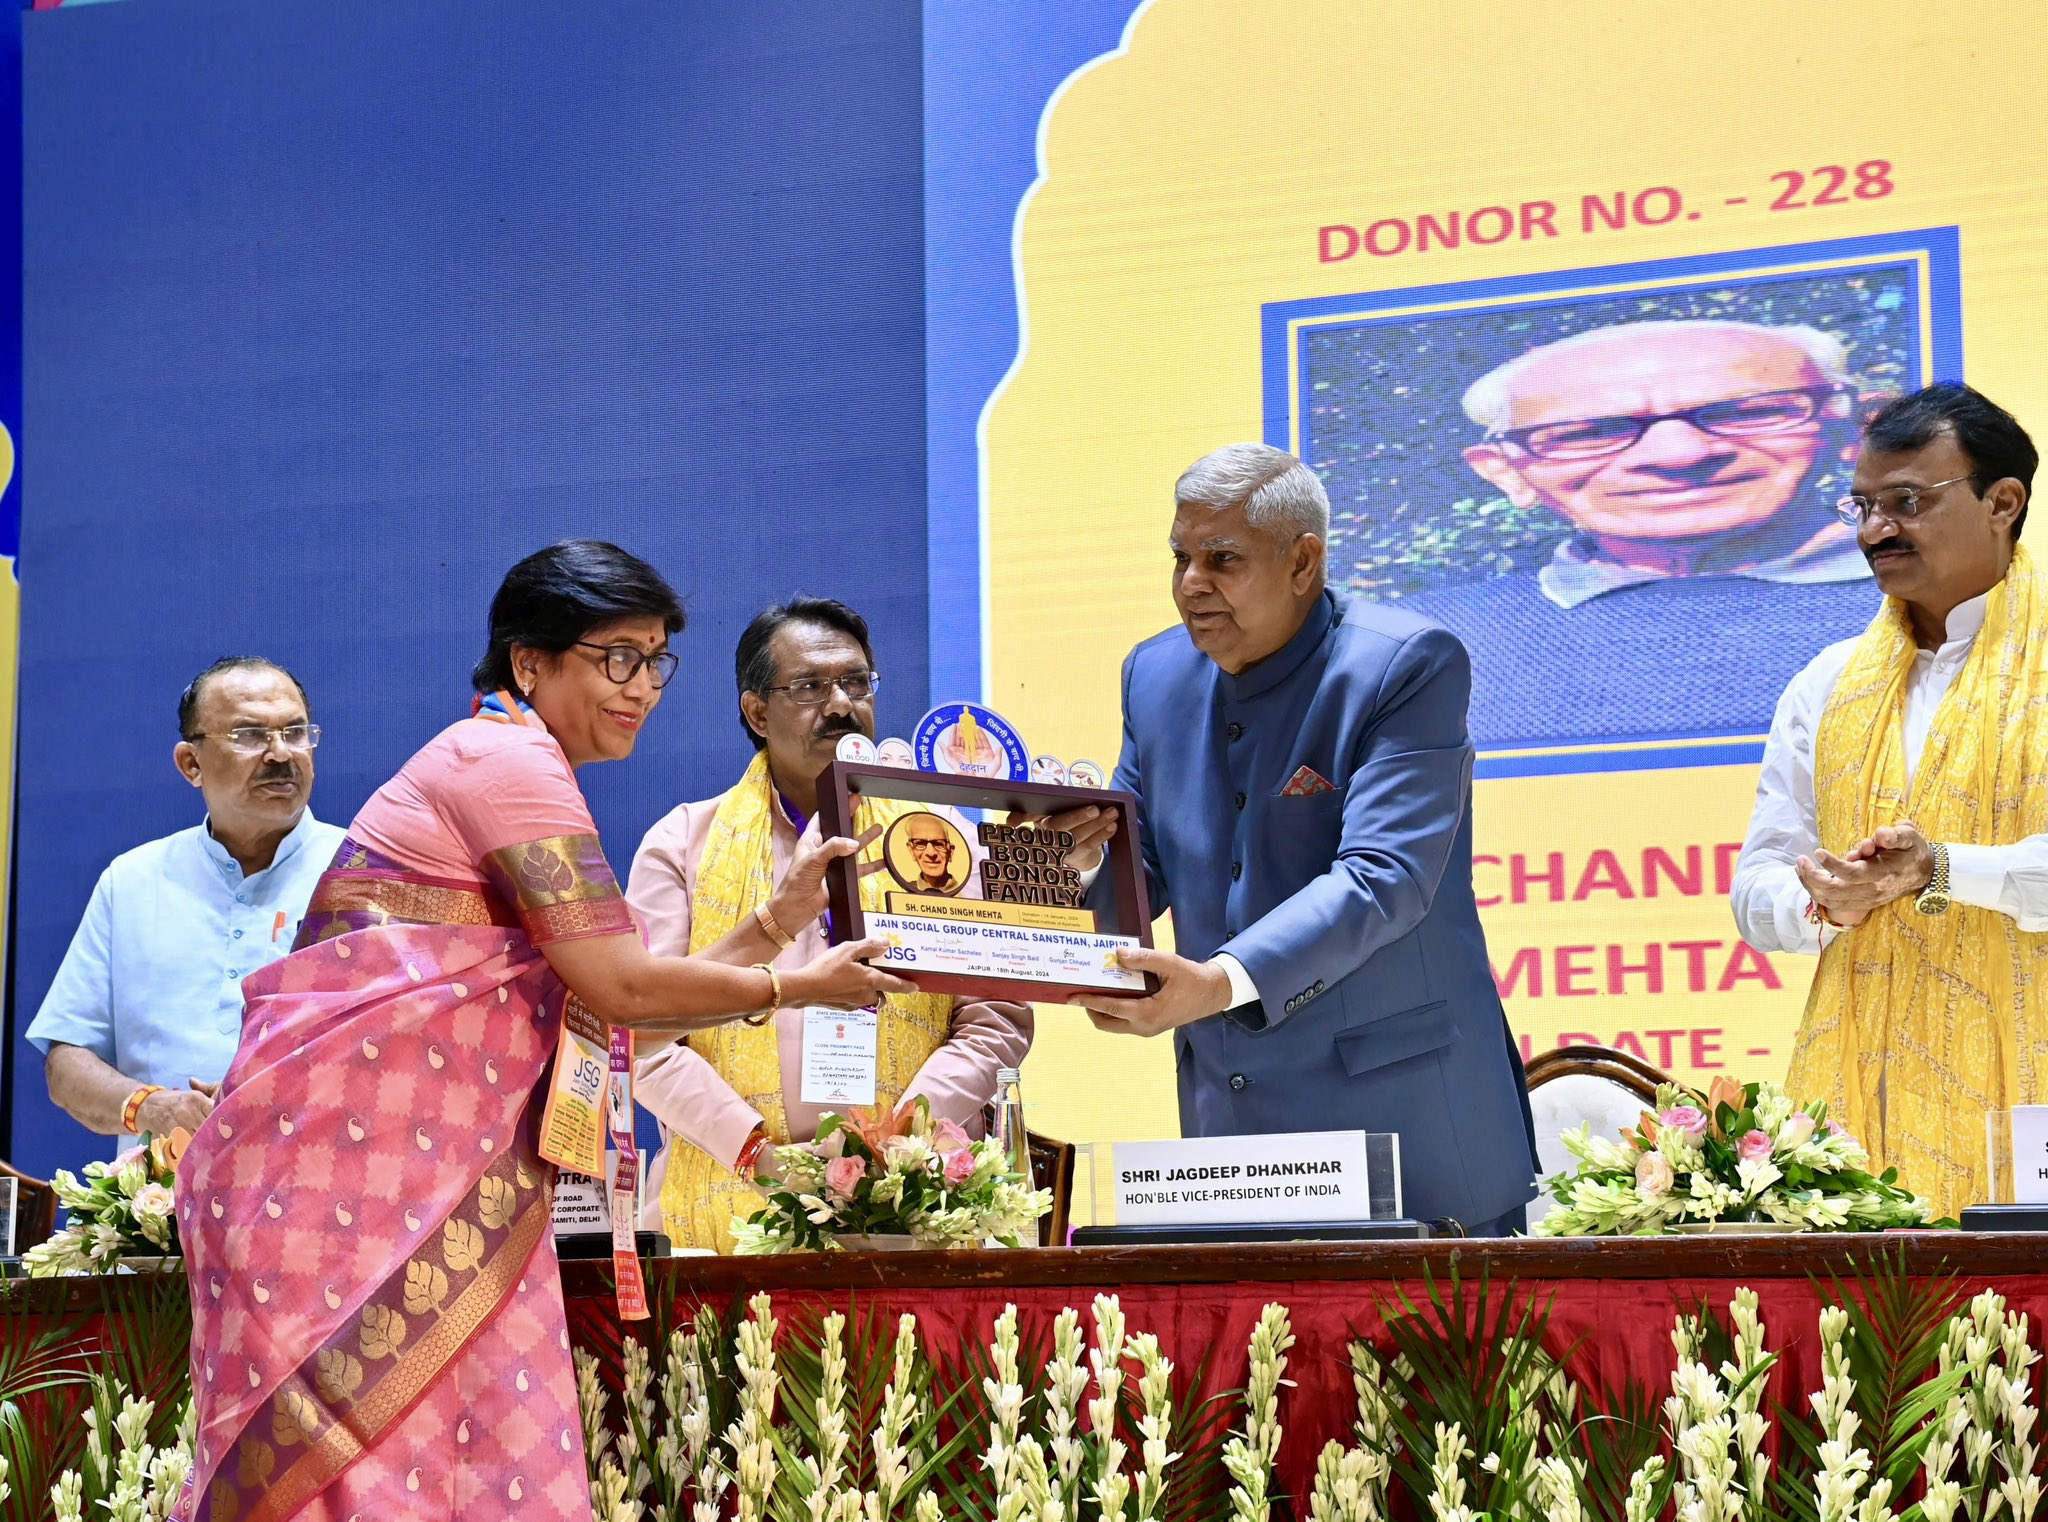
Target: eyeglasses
251,741
858,686
1898,503
1739,417
623,662
931,845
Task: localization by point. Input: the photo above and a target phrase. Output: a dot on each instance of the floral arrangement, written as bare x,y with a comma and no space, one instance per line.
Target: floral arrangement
1472,1420
1739,1152
897,1174
1464,1412
125,1475
122,1209
944,1441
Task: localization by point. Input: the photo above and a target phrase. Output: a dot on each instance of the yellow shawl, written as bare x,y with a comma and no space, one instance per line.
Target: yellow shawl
1918,1024
700,1197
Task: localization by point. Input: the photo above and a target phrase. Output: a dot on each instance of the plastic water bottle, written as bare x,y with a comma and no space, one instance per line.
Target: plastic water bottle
1010,1133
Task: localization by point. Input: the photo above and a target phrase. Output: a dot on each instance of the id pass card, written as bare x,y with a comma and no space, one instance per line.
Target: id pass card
839,1056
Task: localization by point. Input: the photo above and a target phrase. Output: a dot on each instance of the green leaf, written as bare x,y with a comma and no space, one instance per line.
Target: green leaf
1891,1346
1467,1351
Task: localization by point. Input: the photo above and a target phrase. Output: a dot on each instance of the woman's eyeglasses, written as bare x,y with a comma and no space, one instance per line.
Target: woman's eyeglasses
623,662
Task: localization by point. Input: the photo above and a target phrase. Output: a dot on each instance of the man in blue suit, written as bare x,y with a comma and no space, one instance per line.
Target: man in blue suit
1305,782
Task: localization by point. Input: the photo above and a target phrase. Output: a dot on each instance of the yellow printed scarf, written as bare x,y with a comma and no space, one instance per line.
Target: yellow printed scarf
700,1198
1916,1024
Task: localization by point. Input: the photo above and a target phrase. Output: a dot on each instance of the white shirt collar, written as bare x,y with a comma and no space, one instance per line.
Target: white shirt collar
1578,573
287,848
1965,619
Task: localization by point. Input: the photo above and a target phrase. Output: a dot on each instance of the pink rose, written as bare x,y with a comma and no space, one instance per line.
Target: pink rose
1688,1120
1653,1174
950,1136
1797,1131
843,1176
1755,1146
959,1166
829,1147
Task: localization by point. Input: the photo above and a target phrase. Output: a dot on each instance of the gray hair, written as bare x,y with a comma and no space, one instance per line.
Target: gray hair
1276,491
1490,400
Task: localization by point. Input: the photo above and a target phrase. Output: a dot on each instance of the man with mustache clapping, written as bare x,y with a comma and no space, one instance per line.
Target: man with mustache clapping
140,1022
1901,823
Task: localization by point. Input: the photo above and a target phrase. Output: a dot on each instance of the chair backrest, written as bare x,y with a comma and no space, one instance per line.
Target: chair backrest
35,1209
1052,1167
1595,1086
1620,1068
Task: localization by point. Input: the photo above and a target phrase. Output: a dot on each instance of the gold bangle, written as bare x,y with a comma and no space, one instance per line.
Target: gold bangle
769,928
762,1017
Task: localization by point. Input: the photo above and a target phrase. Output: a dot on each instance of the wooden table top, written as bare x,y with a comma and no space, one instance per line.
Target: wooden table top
1792,1256
1973,1254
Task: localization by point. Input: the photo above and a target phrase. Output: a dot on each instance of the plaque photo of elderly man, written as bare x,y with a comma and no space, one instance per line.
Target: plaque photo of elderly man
927,853
1619,503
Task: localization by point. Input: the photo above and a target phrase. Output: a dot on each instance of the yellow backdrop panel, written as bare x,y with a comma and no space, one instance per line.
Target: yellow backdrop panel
1185,180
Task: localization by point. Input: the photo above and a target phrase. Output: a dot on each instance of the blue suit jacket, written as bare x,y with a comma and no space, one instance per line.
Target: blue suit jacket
1351,909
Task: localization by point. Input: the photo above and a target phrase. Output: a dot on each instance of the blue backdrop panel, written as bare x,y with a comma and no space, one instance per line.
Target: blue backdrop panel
334,311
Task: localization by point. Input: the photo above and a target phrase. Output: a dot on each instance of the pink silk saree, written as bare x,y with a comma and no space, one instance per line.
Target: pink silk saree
378,1329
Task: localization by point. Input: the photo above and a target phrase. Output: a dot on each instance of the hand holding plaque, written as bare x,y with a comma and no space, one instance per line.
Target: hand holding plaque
989,885
1091,825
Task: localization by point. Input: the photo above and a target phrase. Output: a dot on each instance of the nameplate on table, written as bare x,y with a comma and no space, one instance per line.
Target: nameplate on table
1231,1180
2030,1154
582,1205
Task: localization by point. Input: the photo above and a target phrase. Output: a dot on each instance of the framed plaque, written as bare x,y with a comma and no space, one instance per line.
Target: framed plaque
982,909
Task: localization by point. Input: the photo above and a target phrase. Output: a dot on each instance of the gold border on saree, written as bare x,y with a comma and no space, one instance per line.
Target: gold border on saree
396,1393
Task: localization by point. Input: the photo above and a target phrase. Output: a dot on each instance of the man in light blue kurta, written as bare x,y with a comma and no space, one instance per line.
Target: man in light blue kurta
149,995
1304,779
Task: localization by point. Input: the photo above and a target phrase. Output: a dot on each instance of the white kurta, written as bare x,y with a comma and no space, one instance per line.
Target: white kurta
1767,896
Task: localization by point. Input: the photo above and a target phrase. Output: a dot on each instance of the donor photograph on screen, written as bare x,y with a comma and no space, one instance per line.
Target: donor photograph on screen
1621,503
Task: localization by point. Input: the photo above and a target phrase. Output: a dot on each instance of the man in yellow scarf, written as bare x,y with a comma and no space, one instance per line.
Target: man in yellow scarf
745,861
1901,821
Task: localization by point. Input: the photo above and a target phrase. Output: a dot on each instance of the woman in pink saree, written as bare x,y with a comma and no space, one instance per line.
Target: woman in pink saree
378,1328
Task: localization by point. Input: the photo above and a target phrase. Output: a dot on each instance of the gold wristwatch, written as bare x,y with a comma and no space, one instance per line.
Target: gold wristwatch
1934,897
